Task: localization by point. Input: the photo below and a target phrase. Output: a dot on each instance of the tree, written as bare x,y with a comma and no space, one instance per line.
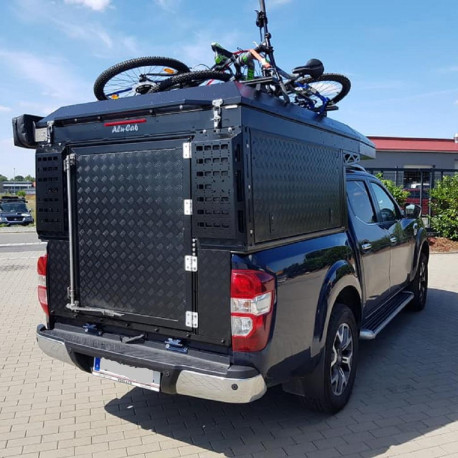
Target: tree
18,178
29,178
3,178
396,191
445,207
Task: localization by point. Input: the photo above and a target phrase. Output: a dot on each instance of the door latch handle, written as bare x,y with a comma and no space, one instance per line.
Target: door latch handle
393,240
366,246
415,229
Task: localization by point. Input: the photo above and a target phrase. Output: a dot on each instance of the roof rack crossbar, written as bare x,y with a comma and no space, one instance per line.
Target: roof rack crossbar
351,157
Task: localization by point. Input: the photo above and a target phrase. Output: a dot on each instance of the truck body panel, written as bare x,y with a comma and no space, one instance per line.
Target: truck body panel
152,206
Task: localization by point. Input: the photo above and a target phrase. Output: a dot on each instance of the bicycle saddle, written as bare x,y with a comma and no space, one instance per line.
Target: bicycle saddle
314,68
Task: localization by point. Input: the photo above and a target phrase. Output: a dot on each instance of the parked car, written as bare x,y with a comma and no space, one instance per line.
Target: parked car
414,198
13,210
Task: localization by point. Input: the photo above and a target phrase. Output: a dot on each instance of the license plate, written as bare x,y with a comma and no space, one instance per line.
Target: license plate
135,376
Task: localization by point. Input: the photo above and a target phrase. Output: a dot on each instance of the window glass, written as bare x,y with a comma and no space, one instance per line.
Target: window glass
415,194
360,201
13,207
386,205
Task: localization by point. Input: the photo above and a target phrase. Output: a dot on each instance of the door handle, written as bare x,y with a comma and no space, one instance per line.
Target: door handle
415,229
366,246
393,240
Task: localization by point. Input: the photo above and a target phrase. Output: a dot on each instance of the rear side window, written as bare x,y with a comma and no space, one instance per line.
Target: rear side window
415,194
387,207
360,201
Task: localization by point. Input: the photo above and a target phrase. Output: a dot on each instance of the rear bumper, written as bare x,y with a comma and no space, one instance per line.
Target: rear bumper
198,374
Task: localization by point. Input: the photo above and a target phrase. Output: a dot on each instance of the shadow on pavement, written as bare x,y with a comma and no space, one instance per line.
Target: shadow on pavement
407,386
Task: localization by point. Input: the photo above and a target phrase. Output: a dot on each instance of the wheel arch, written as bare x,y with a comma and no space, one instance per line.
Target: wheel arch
341,285
422,247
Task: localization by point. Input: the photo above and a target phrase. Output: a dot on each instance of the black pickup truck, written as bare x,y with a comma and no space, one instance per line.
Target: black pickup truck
213,242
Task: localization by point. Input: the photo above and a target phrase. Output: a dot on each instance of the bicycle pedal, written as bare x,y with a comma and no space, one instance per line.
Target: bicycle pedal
332,108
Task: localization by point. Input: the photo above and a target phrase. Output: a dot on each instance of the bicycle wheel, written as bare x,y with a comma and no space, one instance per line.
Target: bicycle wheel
191,79
136,76
331,85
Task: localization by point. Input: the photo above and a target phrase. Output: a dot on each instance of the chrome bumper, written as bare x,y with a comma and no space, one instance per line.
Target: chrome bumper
189,383
237,391
54,348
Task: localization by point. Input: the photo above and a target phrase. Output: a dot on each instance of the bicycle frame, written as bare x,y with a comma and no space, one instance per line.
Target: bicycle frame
271,73
291,82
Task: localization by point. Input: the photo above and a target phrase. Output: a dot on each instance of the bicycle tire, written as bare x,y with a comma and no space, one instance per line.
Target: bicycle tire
331,85
109,84
191,79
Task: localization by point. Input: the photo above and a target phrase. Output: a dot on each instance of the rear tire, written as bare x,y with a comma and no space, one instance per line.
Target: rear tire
136,76
419,285
191,79
329,387
331,85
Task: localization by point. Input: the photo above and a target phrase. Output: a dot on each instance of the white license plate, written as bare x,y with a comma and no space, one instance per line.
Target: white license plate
136,376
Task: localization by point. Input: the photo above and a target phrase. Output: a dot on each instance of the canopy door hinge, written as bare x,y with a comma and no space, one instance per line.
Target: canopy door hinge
192,319
188,206
187,150
217,104
190,263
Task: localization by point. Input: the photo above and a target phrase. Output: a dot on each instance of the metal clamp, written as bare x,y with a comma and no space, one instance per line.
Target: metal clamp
217,104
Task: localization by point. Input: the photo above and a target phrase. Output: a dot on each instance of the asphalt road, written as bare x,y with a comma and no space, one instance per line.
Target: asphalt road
18,239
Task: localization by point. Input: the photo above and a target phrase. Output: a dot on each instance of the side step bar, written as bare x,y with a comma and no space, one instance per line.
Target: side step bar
381,318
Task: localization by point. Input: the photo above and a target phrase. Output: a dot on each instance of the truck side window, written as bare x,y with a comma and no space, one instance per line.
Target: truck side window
360,201
386,205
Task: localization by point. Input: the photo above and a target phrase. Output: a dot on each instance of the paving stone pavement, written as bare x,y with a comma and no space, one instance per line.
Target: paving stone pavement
405,401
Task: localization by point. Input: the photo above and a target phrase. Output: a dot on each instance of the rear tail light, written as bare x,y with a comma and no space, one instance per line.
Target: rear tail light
252,302
42,291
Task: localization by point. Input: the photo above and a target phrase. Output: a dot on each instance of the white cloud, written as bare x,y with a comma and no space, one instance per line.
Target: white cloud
443,95
4,109
90,33
168,5
198,50
100,40
27,106
52,76
380,85
15,160
96,5
452,69
275,3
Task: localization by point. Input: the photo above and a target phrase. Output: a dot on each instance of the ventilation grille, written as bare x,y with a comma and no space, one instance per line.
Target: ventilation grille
50,194
213,190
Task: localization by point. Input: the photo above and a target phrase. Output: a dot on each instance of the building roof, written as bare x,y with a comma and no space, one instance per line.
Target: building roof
443,145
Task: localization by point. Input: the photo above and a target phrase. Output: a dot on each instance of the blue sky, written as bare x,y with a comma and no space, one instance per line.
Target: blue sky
401,56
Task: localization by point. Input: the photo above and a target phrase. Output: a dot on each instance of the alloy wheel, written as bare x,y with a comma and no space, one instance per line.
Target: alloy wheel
341,362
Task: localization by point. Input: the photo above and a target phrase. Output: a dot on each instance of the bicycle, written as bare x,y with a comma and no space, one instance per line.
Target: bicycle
311,88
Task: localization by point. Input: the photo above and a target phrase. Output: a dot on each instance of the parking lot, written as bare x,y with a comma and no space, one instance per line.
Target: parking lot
405,401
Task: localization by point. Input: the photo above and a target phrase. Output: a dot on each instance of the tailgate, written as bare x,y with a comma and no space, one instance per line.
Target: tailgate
131,232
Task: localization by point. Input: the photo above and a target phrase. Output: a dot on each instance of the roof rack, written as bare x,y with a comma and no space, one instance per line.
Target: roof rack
351,157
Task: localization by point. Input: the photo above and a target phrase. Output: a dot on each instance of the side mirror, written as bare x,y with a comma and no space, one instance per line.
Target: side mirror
412,211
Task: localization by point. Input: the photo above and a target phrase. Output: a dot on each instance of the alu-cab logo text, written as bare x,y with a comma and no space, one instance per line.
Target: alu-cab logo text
124,129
